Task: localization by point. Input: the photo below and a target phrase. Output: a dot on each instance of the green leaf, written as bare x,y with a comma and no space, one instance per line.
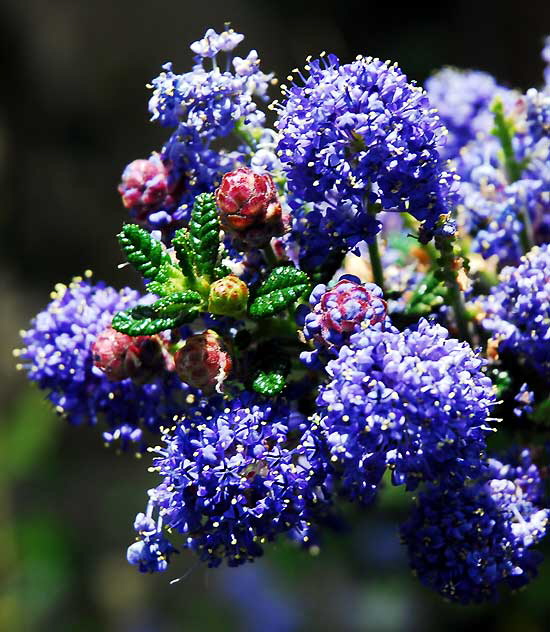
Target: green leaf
273,368
427,295
204,233
269,383
184,251
284,286
169,279
221,271
167,313
142,250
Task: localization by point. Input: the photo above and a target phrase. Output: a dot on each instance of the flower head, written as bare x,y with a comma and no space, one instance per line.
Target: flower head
340,310
517,312
202,105
141,358
58,356
237,476
467,542
204,362
495,210
463,100
416,402
250,210
360,136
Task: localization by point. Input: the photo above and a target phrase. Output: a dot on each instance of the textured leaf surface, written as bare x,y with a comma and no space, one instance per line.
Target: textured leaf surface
281,289
142,250
269,383
166,313
204,233
169,279
184,251
427,295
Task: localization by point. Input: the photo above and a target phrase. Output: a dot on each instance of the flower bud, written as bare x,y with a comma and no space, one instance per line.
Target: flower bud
250,210
339,310
144,186
121,356
204,362
228,296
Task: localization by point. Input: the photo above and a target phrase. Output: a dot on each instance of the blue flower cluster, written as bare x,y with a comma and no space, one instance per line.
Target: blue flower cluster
517,312
463,99
58,357
203,105
235,477
467,542
355,138
372,215
501,214
416,402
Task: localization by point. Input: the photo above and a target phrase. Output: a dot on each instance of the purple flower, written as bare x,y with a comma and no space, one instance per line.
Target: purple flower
467,542
416,402
495,211
463,99
235,475
58,356
517,312
357,137
338,311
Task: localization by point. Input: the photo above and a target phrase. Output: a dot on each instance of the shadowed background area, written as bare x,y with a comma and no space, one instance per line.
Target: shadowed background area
73,113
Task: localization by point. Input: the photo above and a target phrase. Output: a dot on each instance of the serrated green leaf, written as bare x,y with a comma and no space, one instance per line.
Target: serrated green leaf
142,250
269,383
282,288
204,233
166,313
283,277
221,271
427,295
184,251
169,279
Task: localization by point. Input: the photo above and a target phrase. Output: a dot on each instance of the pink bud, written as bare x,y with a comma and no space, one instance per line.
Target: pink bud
250,210
204,362
121,356
144,186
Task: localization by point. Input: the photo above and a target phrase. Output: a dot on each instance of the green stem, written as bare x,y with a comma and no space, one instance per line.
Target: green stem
456,301
526,234
450,255
412,223
376,264
504,131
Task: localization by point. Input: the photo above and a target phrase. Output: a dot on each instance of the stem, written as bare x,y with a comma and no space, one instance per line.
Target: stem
504,131
412,223
450,258
376,264
456,301
526,234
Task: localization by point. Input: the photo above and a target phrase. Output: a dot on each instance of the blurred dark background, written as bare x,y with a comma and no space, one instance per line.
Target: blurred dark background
72,115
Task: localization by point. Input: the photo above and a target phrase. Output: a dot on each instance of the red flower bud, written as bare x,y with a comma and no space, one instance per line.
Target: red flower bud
204,362
144,186
121,356
250,210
